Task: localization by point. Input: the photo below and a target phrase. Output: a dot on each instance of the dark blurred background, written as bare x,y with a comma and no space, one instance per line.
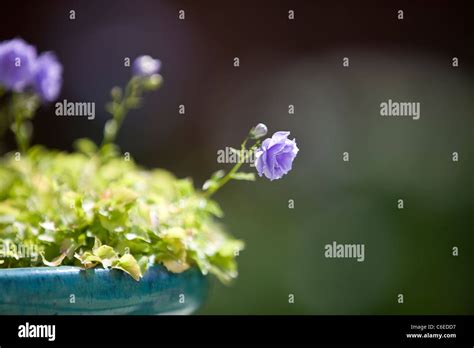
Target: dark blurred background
295,62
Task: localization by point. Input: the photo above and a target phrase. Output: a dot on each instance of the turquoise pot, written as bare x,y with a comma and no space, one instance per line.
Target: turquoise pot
74,291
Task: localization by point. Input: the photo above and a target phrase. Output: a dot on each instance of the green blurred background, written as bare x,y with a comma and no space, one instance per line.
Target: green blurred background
296,62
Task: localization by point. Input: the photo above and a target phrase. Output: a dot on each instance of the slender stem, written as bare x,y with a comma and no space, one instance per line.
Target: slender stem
223,181
113,125
23,108
21,141
111,132
234,170
121,106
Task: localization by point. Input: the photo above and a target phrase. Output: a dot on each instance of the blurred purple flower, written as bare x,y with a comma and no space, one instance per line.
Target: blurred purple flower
275,157
146,66
17,63
48,76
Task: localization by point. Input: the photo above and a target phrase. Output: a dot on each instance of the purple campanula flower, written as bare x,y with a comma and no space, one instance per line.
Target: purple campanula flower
17,63
275,157
146,66
48,76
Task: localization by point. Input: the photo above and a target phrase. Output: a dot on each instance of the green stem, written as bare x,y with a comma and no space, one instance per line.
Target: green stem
121,105
234,170
112,128
23,108
21,139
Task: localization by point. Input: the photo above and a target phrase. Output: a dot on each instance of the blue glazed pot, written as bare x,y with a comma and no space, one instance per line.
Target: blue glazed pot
74,291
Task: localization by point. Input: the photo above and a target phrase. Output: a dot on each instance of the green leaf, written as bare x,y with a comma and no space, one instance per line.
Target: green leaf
235,151
48,225
55,262
144,263
213,180
123,195
214,208
128,264
107,255
244,176
116,93
176,266
85,146
97,244
185,187
218,175
68,247
88,259
8,213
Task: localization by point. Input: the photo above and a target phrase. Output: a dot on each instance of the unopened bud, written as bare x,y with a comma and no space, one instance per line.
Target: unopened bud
260,130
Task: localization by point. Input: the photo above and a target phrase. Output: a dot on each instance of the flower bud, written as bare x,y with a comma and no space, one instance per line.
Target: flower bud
260,130
152,82
116,93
